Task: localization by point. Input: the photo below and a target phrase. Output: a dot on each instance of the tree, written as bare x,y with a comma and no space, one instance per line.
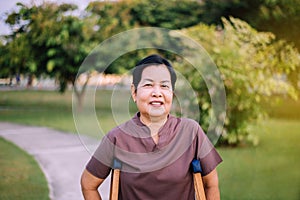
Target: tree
282,18
166,14
55,40
254,66
5,70
113,17
276,16
108,19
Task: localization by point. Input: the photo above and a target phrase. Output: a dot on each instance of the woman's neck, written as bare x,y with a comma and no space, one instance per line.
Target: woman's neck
154,124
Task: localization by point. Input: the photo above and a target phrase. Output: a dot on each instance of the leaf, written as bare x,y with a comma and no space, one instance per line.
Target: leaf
32,67
50,65
51,52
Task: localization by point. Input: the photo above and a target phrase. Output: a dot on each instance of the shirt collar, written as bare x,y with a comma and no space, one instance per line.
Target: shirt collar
137,121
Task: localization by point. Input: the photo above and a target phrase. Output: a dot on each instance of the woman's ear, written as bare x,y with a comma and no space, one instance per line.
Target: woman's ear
133,92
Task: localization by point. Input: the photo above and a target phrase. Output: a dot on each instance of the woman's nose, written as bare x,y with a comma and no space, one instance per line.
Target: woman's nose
156,92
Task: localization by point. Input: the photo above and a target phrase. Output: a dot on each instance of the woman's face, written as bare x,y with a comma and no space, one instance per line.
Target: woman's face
154,93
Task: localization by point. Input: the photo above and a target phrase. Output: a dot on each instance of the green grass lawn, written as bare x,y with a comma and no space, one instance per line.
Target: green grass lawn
20,175
52,109
268,171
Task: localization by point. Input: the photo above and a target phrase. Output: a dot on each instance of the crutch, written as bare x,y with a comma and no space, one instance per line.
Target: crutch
115,179
196,167
198,184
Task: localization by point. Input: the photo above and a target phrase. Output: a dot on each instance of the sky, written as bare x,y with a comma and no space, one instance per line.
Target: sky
10,5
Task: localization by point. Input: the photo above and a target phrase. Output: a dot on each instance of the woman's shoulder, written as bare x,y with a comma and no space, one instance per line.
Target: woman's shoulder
189,122
128,128
117,130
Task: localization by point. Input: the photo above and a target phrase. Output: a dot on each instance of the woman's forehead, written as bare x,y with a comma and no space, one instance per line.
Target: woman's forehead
156,72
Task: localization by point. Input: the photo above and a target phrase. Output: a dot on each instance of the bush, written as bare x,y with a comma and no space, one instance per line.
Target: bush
254,66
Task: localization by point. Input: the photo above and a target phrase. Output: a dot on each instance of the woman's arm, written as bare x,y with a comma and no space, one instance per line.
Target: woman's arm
89,186
211,185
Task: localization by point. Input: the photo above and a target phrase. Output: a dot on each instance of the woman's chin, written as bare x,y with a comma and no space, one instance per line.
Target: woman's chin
157,114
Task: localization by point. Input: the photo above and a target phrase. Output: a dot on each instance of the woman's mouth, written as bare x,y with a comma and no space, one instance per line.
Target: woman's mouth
156,103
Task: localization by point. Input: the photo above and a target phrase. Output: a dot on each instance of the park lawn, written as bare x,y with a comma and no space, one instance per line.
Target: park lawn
45,108
40,108
20,175
268,171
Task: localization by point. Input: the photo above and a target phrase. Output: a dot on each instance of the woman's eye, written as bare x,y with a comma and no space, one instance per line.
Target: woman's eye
165,86
148,85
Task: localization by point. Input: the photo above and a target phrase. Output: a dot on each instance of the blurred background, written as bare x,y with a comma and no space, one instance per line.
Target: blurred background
254,44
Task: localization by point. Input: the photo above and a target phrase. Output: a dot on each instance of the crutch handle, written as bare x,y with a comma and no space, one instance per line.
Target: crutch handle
198,184
115,179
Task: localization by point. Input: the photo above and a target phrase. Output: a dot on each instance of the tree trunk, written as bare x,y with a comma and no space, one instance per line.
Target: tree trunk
80,93
29,82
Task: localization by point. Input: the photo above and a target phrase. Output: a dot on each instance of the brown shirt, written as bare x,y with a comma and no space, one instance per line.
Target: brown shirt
155,171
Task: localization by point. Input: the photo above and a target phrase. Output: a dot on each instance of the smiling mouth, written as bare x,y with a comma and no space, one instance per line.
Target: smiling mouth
156,103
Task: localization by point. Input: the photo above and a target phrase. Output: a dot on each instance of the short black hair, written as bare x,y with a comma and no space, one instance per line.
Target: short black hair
151,60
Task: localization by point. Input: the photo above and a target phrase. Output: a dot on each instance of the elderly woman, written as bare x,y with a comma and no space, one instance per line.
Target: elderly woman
154,147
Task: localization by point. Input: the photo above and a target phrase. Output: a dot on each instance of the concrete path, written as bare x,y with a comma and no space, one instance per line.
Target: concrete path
61,156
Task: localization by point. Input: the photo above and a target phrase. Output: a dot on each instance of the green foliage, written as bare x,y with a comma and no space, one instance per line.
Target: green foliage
215,10
280,17
15,56
51,42
254,66
4,62
167,14
279,13
110,18
276,16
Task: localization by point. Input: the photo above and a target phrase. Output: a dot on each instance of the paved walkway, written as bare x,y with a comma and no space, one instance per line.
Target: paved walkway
61,156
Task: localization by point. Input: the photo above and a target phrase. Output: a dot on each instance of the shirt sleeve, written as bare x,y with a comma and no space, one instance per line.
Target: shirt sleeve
101,162
210,162
206,153
97,168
